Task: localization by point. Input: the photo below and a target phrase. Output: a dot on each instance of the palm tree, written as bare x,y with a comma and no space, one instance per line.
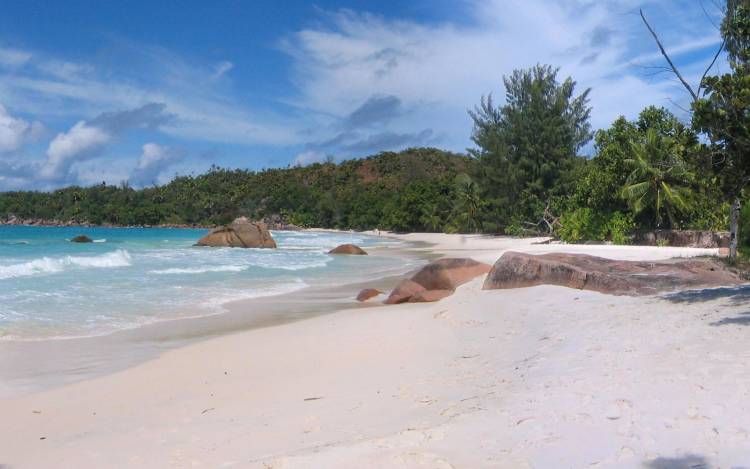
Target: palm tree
468,202
659,181
431,218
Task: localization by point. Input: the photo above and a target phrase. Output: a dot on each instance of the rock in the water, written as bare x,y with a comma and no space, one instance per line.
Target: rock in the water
403,292
348,249
81,239
581,271
241,233
368,293
437,280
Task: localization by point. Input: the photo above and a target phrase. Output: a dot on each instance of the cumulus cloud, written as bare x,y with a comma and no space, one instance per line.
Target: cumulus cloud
82,141
439,70
154,160
207,107
15,132
86,140
360,83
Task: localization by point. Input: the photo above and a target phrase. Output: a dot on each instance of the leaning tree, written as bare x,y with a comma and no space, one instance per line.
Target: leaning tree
724,112
721,108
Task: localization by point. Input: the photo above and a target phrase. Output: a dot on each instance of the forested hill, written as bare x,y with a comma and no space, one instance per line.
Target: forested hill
410,190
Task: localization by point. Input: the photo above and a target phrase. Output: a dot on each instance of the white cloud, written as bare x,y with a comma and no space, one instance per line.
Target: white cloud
309,157
13,57
14,132
361,83
438,71
154,160
85,140
80,142
206,107
221,68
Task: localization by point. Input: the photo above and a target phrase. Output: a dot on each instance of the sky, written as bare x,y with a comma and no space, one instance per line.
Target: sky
141,91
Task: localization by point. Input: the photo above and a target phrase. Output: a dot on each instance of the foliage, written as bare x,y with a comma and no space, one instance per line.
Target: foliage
659,180
620,227
724,112
745,227
468,205
411,190
659,149
527,148
586,224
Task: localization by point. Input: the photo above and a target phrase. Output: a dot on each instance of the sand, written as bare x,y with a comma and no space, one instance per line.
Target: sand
534,377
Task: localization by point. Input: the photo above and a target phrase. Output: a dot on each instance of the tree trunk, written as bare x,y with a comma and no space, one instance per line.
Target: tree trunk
734,222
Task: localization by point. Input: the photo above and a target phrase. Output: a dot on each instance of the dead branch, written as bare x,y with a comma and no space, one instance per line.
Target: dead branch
666,56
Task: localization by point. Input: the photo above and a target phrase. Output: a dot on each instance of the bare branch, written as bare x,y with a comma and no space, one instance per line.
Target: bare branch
666,56
687,111
711,65
708,17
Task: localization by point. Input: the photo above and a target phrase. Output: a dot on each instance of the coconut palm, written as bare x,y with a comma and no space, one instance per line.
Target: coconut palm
431,218
660,179
468,202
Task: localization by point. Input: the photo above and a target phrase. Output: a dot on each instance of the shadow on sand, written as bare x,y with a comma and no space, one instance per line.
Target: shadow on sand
689,461
738,295
742,320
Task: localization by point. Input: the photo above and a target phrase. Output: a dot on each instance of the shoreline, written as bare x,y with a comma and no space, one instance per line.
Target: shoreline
530,377
25,366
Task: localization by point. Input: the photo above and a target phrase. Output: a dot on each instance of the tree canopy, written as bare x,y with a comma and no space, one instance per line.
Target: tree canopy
527,148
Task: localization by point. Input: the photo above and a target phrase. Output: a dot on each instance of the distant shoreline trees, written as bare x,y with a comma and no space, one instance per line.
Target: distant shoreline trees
524,177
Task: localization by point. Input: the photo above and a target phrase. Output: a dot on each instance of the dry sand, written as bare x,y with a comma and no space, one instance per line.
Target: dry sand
543,377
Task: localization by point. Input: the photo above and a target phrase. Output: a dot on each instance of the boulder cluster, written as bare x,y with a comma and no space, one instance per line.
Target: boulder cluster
614,277
433,282
241,233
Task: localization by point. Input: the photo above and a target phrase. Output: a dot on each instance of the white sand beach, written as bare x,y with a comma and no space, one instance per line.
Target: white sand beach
544,377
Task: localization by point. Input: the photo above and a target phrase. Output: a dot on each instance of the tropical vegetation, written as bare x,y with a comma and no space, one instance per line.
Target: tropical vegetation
536,168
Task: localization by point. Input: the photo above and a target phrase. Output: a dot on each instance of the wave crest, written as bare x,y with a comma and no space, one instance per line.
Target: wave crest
48,265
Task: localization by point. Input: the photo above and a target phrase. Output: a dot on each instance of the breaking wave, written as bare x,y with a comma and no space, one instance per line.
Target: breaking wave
48,265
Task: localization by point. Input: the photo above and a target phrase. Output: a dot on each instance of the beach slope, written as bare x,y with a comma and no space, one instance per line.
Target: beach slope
531,377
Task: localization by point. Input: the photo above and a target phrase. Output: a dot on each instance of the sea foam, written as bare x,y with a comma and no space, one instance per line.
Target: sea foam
200,270
48,265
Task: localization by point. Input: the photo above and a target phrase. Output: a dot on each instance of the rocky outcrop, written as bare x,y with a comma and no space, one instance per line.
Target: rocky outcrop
429,296
350,249
515,270
405,290
241,233
448,274
683,238
368,293
437,280
81,239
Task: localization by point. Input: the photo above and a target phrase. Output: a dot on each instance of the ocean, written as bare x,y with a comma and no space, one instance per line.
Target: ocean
53,288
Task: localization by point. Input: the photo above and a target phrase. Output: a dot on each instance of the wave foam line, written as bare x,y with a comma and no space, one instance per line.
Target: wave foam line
200,270
47,265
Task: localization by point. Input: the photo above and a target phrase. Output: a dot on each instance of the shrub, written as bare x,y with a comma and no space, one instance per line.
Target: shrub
584,224
620,226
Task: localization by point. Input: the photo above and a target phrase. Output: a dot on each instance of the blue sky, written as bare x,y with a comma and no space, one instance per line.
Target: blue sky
140,91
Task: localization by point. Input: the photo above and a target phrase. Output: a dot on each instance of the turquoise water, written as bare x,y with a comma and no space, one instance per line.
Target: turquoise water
50,287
